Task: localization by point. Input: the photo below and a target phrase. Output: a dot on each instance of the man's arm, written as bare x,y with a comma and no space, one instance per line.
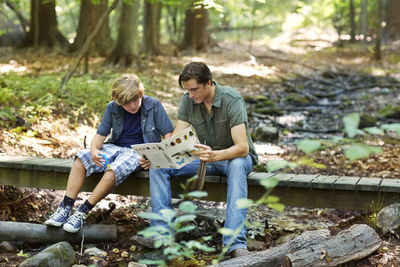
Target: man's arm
180,126
239,149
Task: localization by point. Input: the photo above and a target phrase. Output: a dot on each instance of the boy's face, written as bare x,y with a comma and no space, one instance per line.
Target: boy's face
197,91
133,106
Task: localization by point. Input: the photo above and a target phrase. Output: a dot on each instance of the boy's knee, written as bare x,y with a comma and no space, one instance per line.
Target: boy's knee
110,175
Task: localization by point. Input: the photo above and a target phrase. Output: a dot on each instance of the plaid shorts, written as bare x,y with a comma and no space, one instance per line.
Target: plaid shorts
122,160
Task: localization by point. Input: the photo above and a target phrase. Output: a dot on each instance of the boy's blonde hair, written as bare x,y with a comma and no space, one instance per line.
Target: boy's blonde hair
126,89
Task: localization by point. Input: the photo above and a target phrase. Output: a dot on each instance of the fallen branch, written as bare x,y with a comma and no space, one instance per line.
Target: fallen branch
39,233
314,248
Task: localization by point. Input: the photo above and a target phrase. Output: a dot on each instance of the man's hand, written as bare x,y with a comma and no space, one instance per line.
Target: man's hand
206,153
145,163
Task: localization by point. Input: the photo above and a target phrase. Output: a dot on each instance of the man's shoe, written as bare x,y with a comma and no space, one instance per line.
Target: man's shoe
60,216
240,252
145,242
75,222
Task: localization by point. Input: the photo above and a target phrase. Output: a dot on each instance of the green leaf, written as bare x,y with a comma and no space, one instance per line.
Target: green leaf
393,127
185,218
225,231
351,122
277,206
158,263
272,199
186,228
308,146
171,250
244,203
187,206
269,183
359,151
151,216
374,130
276,164
168,214
22,254
198,194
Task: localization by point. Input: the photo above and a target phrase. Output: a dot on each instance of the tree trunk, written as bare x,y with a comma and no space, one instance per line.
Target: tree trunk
364,18
393,19
352,22
196,35
378,52
40,233
126,49
88,19
151,27
314,248
43,25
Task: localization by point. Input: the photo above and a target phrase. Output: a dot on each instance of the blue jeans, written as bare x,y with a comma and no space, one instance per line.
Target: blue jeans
236,171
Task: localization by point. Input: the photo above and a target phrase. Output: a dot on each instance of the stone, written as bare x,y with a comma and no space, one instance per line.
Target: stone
388,219
60,254
267,133
93,251
7,246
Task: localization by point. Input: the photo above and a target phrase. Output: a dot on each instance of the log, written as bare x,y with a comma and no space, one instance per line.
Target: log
273,257
40,233
355,243
314,248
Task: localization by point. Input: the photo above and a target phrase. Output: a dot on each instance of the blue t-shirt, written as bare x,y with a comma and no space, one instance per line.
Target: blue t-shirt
131,131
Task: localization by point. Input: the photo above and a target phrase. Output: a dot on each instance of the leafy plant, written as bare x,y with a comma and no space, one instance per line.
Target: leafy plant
176,222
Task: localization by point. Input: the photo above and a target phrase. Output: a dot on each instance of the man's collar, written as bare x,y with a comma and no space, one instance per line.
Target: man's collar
217,96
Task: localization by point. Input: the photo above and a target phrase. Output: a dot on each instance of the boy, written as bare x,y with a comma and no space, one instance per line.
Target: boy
134,119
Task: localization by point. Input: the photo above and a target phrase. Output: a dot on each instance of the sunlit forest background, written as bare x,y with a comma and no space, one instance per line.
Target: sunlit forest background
302,66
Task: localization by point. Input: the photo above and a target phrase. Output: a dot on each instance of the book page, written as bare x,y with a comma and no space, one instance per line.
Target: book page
180,147
155,154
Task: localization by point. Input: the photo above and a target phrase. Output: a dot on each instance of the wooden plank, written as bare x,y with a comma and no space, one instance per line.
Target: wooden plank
302,180
390,185
346,183
11,161
284,178
323,182
255,177
369,184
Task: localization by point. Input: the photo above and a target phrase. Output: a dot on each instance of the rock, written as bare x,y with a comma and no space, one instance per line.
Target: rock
267,133
7,246
60,254
135,264
390,112
95,252
388,219
367,120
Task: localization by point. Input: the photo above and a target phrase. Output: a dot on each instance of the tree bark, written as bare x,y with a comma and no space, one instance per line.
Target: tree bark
88,19
196,35
43,25
378,39
364,18
352,22
40,233
314,248
393,19
354,243
273,257
125,51
151,27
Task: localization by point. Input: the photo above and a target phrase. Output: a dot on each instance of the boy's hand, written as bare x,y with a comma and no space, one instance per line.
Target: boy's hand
97,158
145,163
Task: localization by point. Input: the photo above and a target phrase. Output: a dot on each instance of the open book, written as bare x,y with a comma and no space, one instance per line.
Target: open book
174,152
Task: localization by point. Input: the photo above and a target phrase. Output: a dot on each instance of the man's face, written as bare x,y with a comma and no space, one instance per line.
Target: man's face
133,106
197,91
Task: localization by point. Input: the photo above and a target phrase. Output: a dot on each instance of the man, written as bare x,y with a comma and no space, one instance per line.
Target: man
218,114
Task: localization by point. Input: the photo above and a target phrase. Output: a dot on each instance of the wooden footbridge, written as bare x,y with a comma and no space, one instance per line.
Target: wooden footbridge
313,191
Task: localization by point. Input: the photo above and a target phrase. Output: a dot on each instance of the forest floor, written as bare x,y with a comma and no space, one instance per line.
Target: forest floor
232,64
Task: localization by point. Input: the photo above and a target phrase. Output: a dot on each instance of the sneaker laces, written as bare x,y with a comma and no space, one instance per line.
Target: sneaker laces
60,213
77,218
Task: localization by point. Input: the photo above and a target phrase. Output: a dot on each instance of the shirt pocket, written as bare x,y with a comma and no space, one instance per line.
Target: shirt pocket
200,127
223,138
